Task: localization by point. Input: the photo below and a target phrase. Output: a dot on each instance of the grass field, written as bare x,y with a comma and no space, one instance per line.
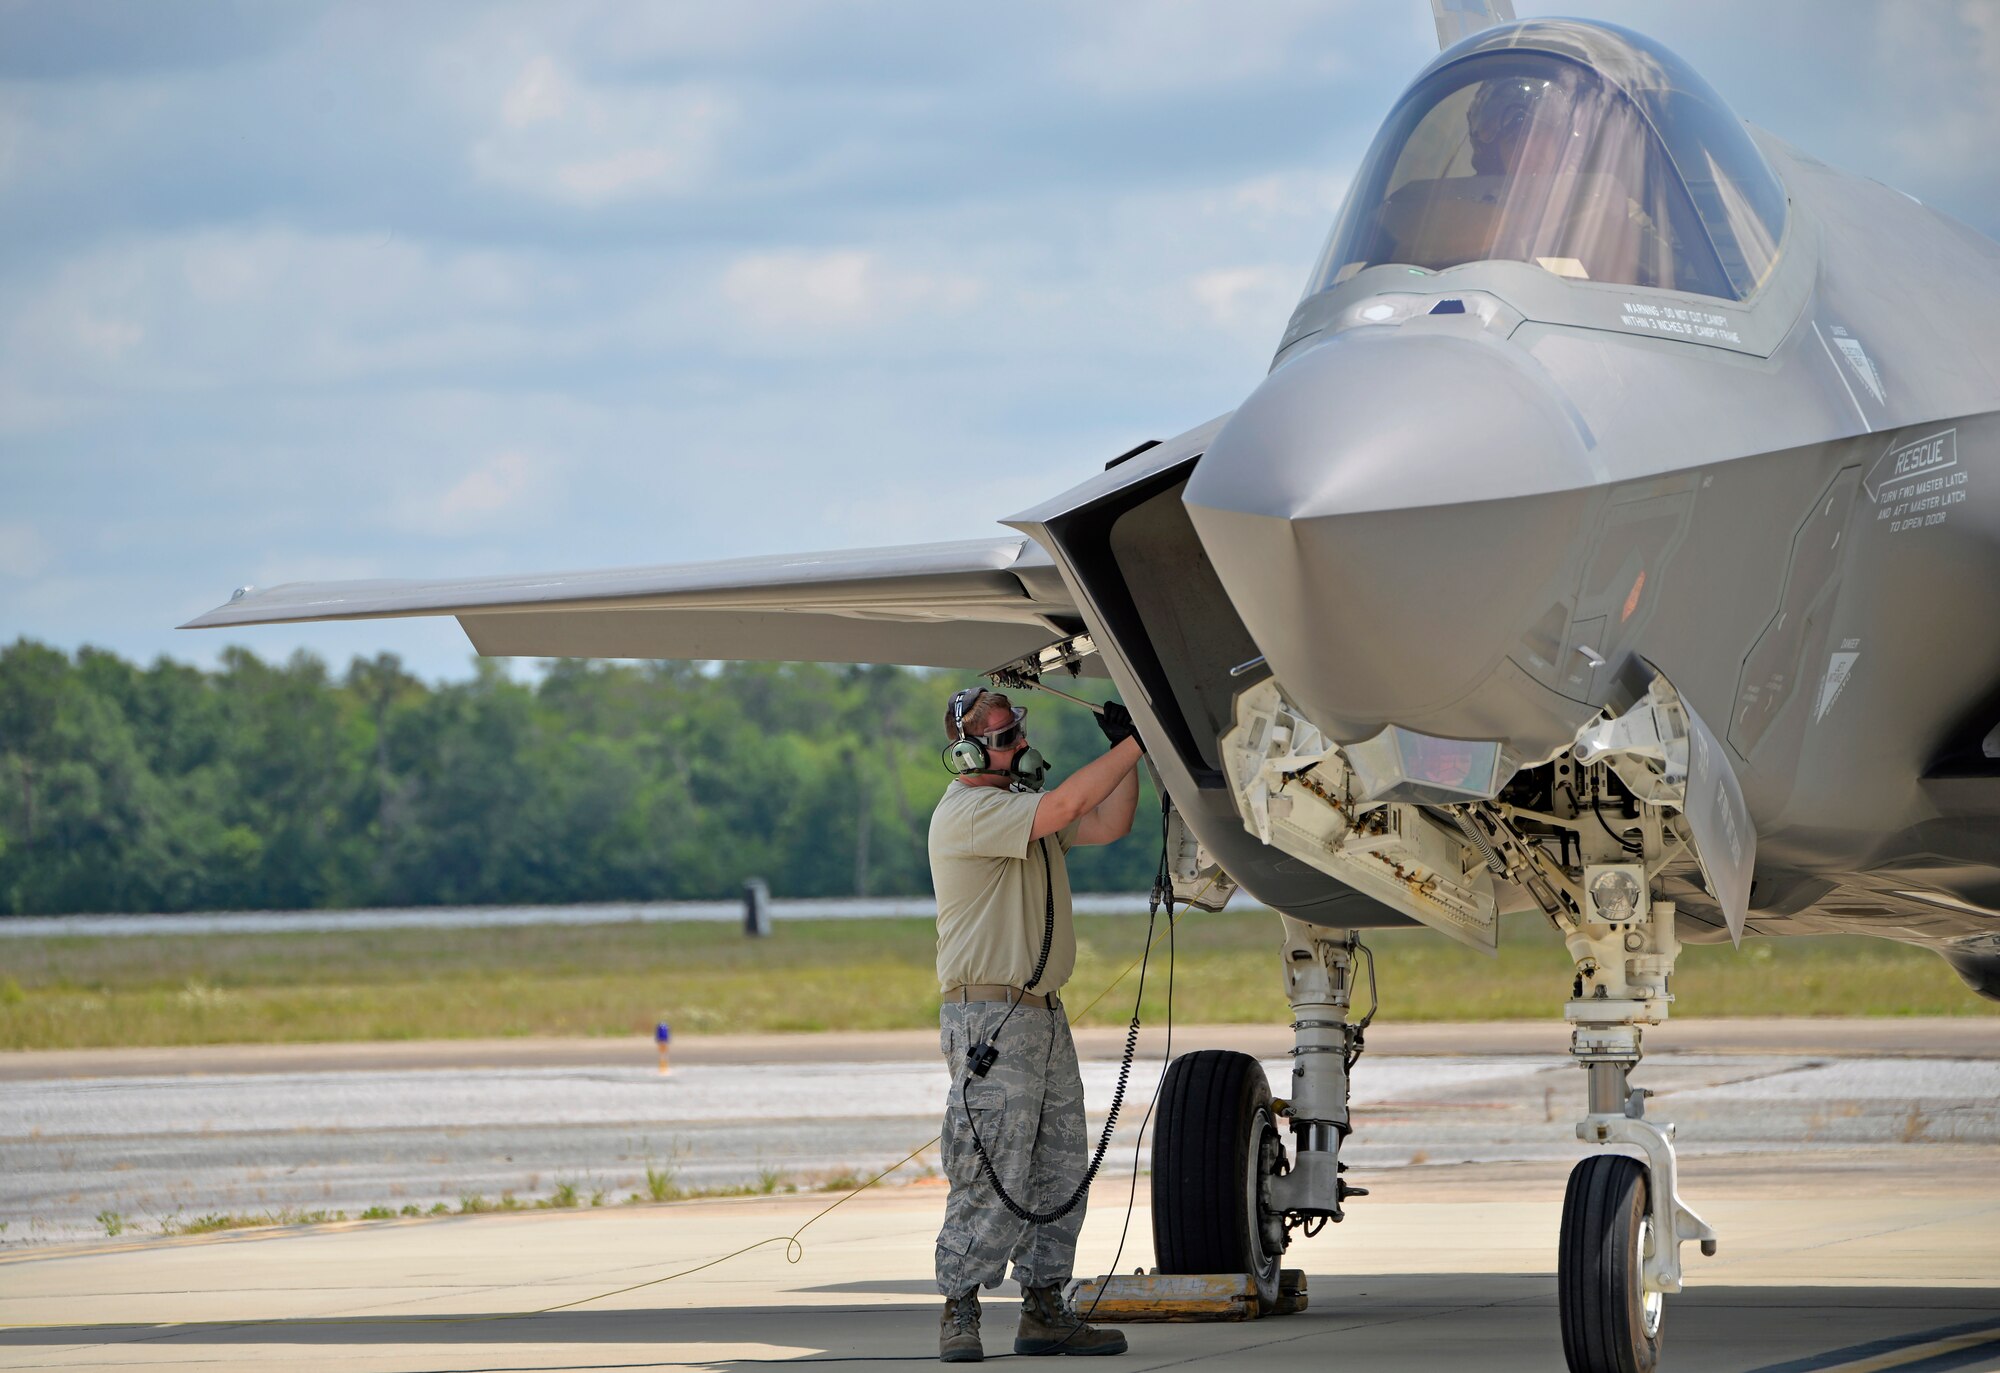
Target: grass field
829,975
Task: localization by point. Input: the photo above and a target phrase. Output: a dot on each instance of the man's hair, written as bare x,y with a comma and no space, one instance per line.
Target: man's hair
986,710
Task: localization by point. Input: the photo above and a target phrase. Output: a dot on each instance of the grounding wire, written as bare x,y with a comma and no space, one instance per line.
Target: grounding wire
1163,889
794,1247
1163,884
1082,1189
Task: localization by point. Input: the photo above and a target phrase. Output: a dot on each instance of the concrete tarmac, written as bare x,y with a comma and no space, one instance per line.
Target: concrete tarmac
1862,1262
1852,1168
164,1152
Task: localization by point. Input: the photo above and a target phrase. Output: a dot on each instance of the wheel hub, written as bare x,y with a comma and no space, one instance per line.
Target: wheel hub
1652,1303
1266,1159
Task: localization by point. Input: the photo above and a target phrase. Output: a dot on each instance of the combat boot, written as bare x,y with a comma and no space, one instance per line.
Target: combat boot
958,1330
1047,1327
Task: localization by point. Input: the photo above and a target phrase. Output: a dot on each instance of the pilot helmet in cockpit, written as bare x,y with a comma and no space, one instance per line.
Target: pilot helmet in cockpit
1519,123
1586,150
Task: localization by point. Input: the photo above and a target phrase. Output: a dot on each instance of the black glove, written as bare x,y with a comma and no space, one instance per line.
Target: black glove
1116,722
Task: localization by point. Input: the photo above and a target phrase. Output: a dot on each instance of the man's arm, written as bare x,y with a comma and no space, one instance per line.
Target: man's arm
1111,819
1086,789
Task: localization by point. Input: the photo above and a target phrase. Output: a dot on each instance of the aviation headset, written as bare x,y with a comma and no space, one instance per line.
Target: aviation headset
968,755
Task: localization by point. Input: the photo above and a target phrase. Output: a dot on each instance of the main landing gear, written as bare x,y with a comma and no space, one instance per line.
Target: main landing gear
1226,1197
1639,800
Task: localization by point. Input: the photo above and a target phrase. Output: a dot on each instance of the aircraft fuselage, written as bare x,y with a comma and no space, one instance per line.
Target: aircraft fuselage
1482,503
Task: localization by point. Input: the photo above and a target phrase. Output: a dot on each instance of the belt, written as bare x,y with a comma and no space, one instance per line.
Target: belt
997,991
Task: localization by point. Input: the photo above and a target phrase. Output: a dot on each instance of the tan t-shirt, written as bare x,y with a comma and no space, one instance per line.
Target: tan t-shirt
989,878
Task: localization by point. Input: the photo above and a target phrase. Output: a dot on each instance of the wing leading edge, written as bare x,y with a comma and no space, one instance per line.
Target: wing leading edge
972,604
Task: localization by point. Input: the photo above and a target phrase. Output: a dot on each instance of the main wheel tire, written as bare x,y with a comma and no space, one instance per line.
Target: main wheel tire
1610,1324
1215,1144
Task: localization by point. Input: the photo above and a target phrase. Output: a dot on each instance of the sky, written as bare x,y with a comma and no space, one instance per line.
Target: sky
302,291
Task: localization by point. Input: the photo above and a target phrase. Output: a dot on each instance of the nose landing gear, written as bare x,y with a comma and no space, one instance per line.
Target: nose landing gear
1623,1221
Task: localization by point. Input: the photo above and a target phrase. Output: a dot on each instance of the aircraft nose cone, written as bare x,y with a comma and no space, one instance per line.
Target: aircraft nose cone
1390,514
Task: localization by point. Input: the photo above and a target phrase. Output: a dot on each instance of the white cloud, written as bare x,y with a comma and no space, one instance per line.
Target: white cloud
1265,195
843,288
340,318
31,409
558,137
489,489
242,308
1953,140
1238,297
104,338
1153,45
295,566
1262,202
593,180
24,553
1984,21
540,92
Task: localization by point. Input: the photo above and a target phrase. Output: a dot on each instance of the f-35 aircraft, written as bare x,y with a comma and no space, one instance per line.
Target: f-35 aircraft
1603,543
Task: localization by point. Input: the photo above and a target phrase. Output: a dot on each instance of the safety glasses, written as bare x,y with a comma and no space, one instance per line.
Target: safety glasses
1008,734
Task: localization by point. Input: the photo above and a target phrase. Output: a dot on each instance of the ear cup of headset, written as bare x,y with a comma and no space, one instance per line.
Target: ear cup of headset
964,756
1029,767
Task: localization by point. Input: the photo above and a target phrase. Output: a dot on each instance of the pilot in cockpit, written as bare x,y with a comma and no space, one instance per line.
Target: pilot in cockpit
1517,118
1612,165
1543,165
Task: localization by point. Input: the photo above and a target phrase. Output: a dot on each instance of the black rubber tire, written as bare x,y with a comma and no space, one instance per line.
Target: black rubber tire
1598,1269
1211,1104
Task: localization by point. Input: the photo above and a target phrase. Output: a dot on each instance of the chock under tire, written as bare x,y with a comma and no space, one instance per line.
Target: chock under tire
1607,1326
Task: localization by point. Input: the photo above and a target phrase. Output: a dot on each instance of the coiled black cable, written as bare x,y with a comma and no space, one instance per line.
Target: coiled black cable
1117,1095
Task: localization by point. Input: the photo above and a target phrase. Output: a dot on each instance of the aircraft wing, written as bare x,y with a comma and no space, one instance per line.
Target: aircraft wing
973,605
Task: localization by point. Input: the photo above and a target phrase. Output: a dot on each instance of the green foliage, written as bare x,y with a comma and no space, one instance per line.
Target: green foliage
661,1184
279,786
290,1215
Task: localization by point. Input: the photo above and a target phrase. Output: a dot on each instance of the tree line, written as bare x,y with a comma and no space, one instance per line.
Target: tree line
273,786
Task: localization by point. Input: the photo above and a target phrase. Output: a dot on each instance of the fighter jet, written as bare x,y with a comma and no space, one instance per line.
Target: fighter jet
1602,545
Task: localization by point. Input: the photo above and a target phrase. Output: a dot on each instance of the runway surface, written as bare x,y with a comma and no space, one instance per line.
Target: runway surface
156,1151
1857,1193
1858,1261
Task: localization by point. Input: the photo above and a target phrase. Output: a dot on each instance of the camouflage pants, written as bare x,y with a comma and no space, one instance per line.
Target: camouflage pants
1029,1112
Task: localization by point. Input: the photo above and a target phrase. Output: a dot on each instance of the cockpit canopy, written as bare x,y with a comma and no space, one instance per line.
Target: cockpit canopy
1583,148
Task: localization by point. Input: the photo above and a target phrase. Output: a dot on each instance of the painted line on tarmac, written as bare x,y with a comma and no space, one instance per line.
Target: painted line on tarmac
1929,1351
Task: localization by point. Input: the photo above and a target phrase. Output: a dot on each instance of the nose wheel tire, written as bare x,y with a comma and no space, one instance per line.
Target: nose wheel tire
1215,1148
1610,1323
